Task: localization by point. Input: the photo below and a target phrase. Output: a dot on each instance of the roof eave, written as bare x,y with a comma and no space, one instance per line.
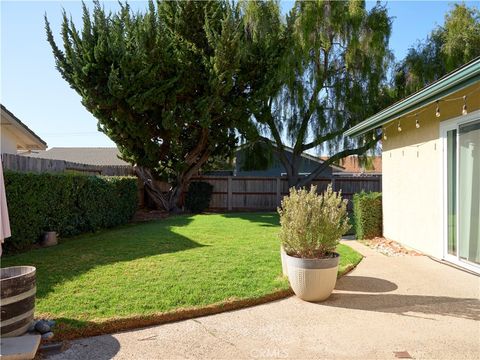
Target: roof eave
454,82
42,144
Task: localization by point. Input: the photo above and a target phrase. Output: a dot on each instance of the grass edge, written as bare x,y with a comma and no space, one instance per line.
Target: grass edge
116,325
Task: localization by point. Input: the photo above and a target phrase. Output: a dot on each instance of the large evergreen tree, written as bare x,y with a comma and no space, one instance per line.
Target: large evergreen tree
164,84
324,72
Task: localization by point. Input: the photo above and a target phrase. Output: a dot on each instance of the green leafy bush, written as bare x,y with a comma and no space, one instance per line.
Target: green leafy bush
66,203
198,196
367,213
312,224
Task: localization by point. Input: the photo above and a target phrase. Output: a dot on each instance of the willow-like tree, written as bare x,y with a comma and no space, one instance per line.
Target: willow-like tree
327,67
445,49
163,84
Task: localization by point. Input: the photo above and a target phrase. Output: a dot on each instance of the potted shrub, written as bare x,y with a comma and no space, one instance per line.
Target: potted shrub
311,227
49,237
283,255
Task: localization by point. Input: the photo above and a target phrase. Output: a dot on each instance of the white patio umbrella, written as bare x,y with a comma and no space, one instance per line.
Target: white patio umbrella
4,221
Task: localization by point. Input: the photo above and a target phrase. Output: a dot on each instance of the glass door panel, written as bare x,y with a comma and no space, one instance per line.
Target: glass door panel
468,183
452,192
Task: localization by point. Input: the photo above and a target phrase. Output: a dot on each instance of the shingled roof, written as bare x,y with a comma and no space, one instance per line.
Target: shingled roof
82,155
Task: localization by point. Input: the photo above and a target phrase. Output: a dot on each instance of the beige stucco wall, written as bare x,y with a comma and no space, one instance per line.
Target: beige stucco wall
8,141
412,177
14,135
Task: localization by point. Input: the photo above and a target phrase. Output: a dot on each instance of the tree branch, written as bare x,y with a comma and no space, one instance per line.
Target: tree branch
268,118
199,148
187,175
333,159
297,149
322,139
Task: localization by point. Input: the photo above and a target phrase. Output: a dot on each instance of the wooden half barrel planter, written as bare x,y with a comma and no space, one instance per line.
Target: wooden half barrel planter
17,289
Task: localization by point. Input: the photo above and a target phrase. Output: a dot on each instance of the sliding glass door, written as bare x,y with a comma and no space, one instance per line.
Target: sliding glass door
462,191
469,192
451,165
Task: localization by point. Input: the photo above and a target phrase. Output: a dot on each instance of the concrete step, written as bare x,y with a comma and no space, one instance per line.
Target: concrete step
19,347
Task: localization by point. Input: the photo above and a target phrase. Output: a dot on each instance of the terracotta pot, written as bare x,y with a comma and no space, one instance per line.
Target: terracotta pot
312,279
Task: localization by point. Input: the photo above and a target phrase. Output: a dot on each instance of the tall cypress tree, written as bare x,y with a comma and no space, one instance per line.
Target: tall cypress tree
163,84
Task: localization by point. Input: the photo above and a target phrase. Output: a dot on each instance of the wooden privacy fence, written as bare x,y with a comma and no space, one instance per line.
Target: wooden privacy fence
30,164
231,193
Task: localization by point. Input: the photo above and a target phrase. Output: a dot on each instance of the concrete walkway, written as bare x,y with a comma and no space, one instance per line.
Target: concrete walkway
386,306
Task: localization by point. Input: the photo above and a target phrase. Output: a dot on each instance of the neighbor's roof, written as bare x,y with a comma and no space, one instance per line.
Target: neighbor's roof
35,142
352,164
82,155
305,155
458,79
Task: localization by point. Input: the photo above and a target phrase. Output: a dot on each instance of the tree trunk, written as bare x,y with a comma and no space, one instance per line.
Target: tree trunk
174,199
292,172
177,191
170,201
160,199
292,179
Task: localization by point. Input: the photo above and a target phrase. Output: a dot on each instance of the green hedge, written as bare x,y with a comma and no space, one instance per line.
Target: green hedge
367,213
69,204
198,196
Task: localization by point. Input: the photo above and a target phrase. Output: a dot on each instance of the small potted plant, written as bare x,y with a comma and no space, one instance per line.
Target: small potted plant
49,237
311,227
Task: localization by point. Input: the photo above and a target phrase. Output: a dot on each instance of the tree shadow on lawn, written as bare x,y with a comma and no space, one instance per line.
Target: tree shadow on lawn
267,219
78,255
406,305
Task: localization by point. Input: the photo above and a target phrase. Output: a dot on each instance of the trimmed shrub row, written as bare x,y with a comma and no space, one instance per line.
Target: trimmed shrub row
367,213
69,204
198,196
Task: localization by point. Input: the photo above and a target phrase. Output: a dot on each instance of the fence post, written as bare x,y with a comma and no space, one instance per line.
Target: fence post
279,191
229,193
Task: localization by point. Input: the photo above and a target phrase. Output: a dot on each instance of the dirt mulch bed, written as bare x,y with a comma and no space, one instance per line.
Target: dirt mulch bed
389,247
143,215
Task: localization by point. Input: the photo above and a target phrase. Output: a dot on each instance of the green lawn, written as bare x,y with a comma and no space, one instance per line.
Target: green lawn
149,268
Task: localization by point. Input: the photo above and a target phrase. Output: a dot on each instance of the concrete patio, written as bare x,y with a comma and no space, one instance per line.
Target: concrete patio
388,307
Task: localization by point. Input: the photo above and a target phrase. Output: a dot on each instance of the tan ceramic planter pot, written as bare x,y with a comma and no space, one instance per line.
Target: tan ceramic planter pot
312,279
284,261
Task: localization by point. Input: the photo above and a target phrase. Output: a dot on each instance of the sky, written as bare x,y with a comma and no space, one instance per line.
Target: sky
34,91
